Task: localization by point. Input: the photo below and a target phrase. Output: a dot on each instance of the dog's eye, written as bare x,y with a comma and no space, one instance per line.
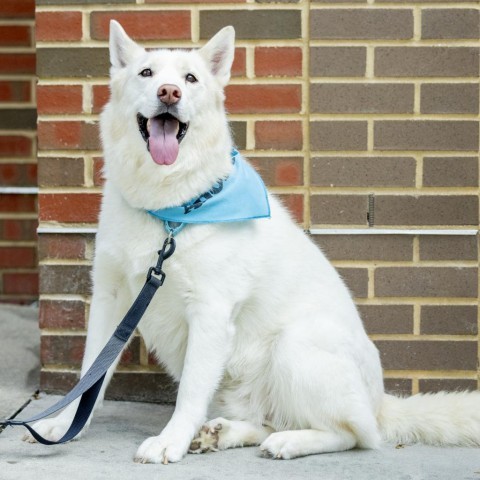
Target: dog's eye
190,78
146,72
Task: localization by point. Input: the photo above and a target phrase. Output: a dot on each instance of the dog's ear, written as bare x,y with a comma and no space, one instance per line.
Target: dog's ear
122,47
219,53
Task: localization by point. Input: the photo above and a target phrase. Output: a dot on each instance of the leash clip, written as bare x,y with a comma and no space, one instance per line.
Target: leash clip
166,251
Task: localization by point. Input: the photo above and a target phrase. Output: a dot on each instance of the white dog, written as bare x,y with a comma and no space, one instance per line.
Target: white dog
253,321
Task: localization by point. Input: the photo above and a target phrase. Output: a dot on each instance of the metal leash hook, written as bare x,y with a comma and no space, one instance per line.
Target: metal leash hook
166,251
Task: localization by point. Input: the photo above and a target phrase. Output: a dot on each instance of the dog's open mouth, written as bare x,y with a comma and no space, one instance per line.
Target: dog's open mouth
163,135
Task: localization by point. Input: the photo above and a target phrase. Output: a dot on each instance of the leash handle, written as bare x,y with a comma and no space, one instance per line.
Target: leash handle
90,384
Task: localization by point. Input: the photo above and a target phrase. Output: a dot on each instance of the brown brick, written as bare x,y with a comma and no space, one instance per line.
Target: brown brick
450,172
253,24
58,99
284,135
449,320
426,62
433,385
387,319
339,209
68,135
454,247
363,171
15,91
428,355
15,36
18,119
98,178
358,98
57,246
18,174
361,24
79,2
18,203
239,133
141,387
356,280
17,257
69,207
278,61
62,314
294,204
263,98
23,283
426,282
15,146
453,98
398,386
74,279
426,210
338,61
17,9
338,135
18,229
64,350
61,171
143,25
450,23
17,64
366,247
425,135
58,26
72,62
279,171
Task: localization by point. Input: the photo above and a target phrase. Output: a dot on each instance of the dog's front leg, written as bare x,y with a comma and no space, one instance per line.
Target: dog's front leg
209,345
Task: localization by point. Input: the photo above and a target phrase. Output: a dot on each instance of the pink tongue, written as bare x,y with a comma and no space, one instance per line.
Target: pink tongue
163,141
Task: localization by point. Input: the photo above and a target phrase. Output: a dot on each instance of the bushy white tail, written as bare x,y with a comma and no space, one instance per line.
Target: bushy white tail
435,419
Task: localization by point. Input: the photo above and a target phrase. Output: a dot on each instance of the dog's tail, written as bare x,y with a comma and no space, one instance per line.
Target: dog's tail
435,419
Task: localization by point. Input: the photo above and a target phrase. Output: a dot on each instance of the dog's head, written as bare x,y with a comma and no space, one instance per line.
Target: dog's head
166,92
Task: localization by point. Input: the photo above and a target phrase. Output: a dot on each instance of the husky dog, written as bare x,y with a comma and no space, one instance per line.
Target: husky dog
253,321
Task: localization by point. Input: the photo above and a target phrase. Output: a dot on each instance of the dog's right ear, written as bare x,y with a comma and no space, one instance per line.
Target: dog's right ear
122,47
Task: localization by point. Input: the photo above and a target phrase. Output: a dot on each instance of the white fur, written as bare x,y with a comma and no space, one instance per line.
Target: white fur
253,321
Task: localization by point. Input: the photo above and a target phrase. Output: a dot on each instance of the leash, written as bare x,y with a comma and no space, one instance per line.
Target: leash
90,384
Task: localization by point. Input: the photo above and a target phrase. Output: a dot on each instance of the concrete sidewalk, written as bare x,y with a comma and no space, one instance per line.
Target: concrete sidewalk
118,429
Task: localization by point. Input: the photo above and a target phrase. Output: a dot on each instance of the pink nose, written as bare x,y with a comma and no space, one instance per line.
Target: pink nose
169,94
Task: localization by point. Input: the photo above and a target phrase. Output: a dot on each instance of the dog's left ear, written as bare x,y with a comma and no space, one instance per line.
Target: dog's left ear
219,53
122,48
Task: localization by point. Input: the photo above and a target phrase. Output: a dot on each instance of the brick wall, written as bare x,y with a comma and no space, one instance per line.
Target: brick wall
362,116
18,168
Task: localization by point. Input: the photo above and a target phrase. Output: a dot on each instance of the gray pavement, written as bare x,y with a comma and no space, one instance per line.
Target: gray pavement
119,427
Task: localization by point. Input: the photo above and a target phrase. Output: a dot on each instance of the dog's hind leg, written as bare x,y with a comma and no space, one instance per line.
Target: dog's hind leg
298,443
220,434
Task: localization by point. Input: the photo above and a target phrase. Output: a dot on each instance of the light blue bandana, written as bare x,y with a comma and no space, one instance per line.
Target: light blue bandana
240,196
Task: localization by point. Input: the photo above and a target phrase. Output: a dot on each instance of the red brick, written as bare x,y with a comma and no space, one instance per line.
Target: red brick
294,204
68,135
15,36
62,314
17,9
263,98
17,257
69,207
98,179
239,67
15,146
151,25
18,63
66,350
278,61
279,135
195,1
279,171
58,26
101,95
58,99
18,174
18,229
61,246
18,203
20,283
15,91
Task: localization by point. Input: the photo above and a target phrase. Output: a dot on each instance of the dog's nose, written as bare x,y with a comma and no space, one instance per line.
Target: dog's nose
169,94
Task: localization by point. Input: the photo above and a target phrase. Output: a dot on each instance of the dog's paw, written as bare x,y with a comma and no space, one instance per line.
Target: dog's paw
164,448
281,445
52,429
207,439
